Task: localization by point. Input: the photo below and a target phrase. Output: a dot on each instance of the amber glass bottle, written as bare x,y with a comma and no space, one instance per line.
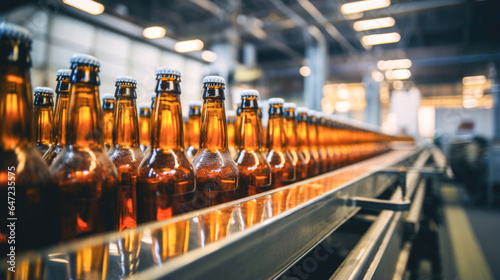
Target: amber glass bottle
310,158
167,179
193,128
108,108
293,141
44,100
254,170
26,185
60,115
312,134
278,156
87,179
144,125
217,173
237,124
262,130
322,137
231,132
126,154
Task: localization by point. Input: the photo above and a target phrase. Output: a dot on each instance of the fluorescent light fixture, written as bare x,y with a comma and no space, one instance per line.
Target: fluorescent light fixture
209,56
394,64
154,32
474,80
378,39
89,6
401,74
361,6
305,71
377,23
189,46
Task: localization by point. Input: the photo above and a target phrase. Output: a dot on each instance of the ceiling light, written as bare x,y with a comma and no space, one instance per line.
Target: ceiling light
398,85
378,39
189,46
361,6
342,106
469,103
88,6
305,71
394,64
377,23
377,76
209,56
343,94
474,80
401,74
154,32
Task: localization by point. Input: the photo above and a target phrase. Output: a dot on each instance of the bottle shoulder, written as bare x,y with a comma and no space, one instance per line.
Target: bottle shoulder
166,162
27,165
214,161
126,155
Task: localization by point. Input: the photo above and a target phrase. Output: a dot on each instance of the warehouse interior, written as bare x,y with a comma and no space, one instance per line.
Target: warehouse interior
429,69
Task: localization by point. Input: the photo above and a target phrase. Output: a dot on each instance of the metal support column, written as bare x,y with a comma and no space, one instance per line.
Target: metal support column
317,61
372,97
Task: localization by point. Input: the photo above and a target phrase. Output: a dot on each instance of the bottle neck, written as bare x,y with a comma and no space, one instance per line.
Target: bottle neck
302,131
61,112
276,139
231,131
193,128
15,96
84,126
126,127
213,132
167,131
43,119
312,131
250,130
291,129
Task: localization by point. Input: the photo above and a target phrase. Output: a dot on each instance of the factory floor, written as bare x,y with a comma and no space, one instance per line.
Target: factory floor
469,237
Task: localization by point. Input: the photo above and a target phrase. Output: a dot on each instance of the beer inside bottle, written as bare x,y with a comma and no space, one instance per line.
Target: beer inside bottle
44,100
144,126
60,115
305,146
231,132
167,179
108,108
193,128
279,157
217,173
293,143
254,170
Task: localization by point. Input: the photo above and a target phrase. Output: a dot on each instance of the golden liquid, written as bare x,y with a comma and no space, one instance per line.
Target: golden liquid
193,135
214,225
43,124
107,131
294,146
144,132
59,128
252,212
31,268
309,160
231,137
169,241
90,262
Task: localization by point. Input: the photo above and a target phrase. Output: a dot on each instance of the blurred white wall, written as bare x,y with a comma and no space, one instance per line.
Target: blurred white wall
448,121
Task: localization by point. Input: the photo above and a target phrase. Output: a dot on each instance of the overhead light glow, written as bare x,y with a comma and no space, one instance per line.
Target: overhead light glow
469,103
394,64
474,80
377,23
361,6
189,46
398,85
342,106
305,71
378,39
89,6
377,76
343,94
401,74
154,32
209,56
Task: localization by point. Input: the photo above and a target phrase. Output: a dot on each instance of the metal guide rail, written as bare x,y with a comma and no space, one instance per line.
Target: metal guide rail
253,238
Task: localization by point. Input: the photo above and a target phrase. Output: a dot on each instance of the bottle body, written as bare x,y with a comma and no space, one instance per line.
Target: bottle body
293,143
193,130
108,107
144,127
43,119
302,132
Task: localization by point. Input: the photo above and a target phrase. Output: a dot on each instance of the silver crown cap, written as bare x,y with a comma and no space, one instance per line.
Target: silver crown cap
84,59
231,113
275,101
250,92
311,113
197,103
15,31
63,73
144,105
165,70
107,96
214,79
153,95
125,79
48,90
289,105
301,110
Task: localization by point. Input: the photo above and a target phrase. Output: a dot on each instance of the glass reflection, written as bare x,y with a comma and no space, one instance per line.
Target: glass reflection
214,225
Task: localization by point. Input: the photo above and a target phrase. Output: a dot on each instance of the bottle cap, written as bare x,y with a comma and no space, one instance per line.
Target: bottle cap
125,80
195,103
63,74
14,31
143,105
107,96
218,80
84,59
43,90
302,110
231,114
250,93
289,105
165,71
311,113
153,95
276,101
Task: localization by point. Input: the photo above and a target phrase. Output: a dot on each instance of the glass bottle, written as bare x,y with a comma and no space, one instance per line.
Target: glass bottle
293,141
237,123
231,132
126,154
312,134
254,170
63,89
322,135
193,128
310,158
144,126
108,108
26,184
278,156
44,100
217,173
